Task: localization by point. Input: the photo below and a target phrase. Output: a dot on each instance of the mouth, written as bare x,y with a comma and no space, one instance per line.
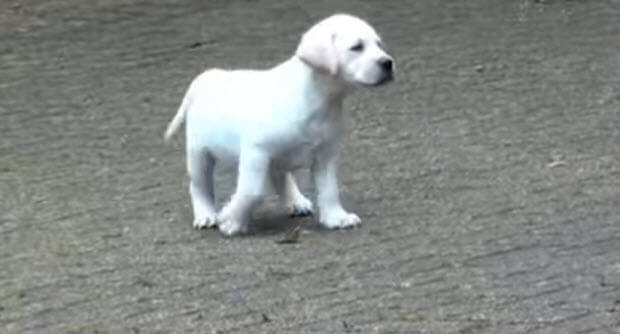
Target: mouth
385,78
389,76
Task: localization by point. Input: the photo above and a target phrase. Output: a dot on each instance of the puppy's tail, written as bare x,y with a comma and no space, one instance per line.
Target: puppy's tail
177,120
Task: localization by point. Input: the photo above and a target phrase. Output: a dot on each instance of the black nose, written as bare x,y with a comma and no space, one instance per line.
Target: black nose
387,64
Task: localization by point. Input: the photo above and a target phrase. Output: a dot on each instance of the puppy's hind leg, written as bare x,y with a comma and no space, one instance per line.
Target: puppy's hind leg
290,196
200,166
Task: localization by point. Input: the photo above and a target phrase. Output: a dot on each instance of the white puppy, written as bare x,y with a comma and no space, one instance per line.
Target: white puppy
275,121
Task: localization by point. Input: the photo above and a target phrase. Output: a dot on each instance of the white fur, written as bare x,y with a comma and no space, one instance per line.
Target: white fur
272,122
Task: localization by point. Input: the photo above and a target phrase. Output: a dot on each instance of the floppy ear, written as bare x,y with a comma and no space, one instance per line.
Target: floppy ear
317,49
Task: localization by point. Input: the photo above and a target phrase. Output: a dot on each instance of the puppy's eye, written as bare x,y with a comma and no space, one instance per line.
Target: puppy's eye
358,47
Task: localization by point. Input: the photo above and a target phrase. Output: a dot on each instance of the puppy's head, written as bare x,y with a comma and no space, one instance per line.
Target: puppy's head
347,47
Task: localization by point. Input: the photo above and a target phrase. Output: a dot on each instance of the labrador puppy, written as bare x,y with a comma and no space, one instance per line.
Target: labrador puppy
272,122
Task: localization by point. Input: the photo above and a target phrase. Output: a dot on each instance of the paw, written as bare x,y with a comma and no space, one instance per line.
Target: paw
302,207
230,227
205,222
230,223
340,219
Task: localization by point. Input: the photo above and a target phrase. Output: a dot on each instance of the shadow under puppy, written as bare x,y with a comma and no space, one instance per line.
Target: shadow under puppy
272,122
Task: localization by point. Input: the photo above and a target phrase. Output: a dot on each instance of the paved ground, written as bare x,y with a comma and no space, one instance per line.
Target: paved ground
488,175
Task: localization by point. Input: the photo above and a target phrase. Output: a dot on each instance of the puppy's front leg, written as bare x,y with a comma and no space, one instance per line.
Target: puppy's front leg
324,170
251,183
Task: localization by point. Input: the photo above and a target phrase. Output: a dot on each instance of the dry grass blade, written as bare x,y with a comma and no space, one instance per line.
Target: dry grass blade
291,236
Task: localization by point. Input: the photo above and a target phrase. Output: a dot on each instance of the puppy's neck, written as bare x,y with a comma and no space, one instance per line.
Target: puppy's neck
331,87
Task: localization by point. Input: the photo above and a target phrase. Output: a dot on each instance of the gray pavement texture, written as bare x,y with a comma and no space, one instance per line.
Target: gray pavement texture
487,175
